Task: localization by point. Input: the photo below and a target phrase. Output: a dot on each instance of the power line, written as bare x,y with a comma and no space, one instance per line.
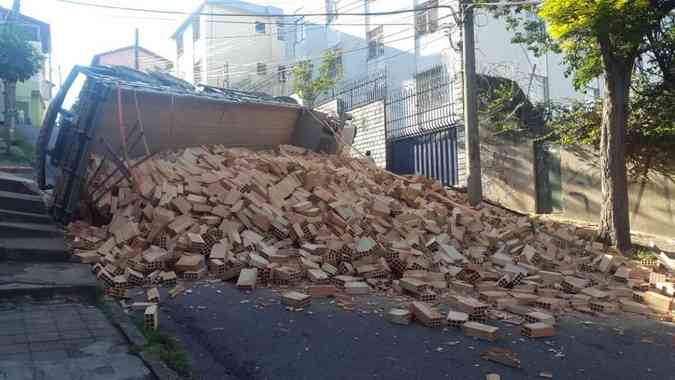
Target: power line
267,81
225,46
291,62
162,11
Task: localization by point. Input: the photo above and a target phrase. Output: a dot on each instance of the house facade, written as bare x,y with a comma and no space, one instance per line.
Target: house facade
412,124
409,46
147,60
32,95
242,52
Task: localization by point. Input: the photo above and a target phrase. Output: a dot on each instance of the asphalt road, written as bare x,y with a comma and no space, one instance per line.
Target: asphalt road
234,335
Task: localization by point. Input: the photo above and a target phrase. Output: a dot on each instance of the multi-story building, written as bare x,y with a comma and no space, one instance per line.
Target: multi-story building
244,51
409,46
411,123
32,95
126,56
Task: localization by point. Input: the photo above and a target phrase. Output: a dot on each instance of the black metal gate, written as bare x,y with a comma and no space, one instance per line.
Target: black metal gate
421,126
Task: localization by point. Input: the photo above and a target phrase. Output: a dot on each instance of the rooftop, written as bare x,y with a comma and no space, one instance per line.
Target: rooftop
234,5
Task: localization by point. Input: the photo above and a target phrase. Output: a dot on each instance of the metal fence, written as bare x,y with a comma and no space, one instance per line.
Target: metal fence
354,93
423,108
420,128
419,121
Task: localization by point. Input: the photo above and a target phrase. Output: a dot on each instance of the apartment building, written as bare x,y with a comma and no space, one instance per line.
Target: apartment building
242,52
409,46
32,95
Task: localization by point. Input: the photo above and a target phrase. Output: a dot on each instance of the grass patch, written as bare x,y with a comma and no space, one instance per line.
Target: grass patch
642,253
165,347
20,153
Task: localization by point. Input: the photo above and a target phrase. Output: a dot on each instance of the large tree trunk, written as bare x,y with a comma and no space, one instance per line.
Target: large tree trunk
10,114
614,216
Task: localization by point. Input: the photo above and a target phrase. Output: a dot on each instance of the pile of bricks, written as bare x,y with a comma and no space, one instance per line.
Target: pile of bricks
294,218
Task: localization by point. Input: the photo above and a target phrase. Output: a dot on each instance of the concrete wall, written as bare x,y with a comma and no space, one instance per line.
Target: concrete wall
369,121
241,55
370,135
652,203
509,178
507,167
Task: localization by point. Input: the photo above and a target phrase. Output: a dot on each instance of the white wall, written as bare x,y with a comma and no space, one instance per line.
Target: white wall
242,54
232,41
497,56
405,54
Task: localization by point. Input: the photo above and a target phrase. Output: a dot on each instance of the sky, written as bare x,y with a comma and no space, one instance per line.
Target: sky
78,33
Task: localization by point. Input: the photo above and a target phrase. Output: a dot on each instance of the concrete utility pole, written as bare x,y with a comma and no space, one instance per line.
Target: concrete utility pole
136,38
472,137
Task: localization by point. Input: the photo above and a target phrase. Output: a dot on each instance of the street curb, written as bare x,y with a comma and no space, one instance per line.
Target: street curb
123,322
46,291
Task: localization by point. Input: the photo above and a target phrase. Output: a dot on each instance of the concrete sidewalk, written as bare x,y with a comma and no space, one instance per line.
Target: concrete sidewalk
49,327
63,340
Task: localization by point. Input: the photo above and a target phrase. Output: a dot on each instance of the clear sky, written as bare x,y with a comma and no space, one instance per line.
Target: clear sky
78,33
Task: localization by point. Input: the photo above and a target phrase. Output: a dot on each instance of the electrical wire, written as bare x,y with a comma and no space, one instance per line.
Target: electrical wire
163,11
379,60
292,62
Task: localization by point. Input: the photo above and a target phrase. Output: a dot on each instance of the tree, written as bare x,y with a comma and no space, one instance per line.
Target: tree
19,61
310,88
605,38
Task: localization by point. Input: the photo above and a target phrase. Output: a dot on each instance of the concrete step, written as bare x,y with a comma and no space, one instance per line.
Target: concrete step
29,230
34,250
24,217
46,280
120,366
14,201
15,184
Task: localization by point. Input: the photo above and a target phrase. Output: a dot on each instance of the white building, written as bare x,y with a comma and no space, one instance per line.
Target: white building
409,45
233,51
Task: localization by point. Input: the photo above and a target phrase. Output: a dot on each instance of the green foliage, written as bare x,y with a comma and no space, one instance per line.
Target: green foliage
166,348
597,33
308,87
20,153
19,60
636,32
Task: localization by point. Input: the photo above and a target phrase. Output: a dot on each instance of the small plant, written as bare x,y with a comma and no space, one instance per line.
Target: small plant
309,87
166,348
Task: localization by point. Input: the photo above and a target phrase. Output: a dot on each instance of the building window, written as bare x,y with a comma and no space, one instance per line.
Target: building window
431,93
179,44
197,72
262,68
283,74
336,67
281,30
426,18
376,42
332,9
300,32
260,27
196,32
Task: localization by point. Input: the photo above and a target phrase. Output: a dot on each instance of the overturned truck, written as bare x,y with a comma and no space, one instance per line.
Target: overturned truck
122,117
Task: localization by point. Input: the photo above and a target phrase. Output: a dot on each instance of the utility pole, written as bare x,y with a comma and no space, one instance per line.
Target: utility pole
136,38
471,135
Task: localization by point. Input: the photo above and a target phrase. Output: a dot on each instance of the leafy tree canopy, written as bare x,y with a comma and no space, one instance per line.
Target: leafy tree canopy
308,87
640,33
19,60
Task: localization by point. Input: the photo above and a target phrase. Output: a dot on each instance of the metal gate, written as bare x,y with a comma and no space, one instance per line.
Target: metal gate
421,127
